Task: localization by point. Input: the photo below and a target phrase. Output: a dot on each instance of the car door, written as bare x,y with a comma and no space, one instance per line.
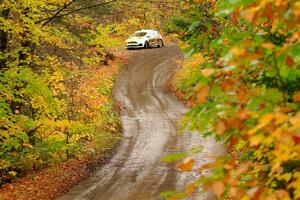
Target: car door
156,37
152,40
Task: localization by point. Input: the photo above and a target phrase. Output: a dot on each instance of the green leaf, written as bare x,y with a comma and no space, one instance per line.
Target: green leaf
196,150
173,157
12,173
172,193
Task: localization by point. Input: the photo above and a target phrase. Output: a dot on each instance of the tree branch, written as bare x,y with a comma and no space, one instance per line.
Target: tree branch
49,19
58,13
87,7
282,84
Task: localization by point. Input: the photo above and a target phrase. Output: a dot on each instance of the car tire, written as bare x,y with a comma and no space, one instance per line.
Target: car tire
160,43
146,46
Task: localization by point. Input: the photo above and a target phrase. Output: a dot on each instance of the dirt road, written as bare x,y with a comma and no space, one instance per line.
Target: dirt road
149,120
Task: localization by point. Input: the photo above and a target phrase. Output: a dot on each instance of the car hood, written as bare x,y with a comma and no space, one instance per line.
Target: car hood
134,39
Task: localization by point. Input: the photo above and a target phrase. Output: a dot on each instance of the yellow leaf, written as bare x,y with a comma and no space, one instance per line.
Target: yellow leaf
238,51
295,122
278,133
252,131
29,146
280,118
266,119
249,14
256,140
13,173
207,72
189,189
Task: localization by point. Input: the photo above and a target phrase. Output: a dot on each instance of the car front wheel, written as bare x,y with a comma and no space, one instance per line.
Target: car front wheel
160,43
146,46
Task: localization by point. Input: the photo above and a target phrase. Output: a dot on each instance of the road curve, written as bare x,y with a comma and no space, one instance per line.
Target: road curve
149,121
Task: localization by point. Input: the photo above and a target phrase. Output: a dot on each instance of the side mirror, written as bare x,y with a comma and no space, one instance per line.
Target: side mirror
148,36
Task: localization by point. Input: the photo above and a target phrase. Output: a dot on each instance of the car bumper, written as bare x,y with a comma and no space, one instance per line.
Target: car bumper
134,45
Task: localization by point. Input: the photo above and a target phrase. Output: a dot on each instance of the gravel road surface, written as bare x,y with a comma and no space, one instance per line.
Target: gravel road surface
149,119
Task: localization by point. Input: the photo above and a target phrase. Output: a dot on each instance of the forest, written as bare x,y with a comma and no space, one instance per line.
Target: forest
240,77
56,99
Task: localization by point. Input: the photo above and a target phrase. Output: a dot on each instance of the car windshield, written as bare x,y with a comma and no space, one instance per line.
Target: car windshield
139,34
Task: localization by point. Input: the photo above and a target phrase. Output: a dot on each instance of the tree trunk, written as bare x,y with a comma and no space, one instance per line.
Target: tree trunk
3,39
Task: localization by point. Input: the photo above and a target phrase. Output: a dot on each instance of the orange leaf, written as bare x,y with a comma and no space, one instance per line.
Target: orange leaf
268,45
233,141
285,109
235,17
242,94
221,128
242,168
198,1
243,115
296,139
186,165
174,198
265,120
235,123
268,12
202,94
297,97
207,166
206,186
289,61
228,84
233,182
218,188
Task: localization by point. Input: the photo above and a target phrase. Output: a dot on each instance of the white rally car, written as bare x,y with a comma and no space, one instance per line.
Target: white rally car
145,39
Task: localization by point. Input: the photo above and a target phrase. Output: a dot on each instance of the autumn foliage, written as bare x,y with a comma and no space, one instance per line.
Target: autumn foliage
57,71
55,84
243,82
